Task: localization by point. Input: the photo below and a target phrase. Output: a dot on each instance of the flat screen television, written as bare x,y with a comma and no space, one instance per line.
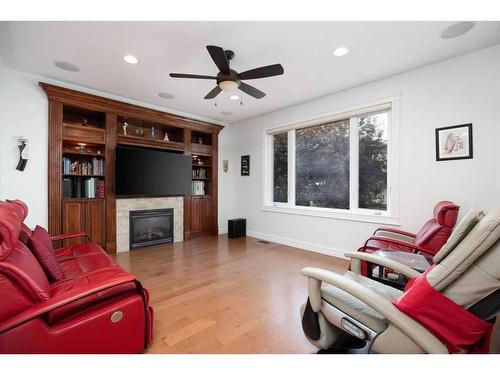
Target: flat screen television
151,172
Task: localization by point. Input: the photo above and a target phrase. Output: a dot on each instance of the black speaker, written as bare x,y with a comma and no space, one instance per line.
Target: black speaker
237,228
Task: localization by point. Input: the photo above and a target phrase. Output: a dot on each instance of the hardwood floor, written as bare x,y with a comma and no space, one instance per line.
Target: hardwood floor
220,295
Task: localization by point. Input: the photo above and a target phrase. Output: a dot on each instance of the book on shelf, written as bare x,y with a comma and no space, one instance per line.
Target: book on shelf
67,190
83,188
77,167
198,187
200,173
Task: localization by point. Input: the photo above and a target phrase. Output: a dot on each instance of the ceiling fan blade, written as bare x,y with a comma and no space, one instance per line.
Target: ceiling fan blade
212,94
262,72
181,75
220,59
252,91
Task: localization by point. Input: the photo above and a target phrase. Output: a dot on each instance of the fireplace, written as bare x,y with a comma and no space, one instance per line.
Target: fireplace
151,227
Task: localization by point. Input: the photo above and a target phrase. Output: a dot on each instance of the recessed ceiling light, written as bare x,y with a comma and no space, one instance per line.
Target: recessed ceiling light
341,51
165,95
226,113
131,59
64,65
234,97
457,29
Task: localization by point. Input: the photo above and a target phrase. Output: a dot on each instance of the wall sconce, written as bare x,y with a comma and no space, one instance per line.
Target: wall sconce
23,154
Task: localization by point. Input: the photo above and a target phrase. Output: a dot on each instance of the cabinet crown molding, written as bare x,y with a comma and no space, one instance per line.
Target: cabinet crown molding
100,103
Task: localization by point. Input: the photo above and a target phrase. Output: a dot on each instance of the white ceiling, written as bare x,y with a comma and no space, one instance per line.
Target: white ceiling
305,49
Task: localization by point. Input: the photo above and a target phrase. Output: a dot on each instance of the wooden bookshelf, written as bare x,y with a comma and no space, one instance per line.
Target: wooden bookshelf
131,140
97,123
76,153
83,175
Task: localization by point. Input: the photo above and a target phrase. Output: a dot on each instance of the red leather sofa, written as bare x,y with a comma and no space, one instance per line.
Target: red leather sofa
96,307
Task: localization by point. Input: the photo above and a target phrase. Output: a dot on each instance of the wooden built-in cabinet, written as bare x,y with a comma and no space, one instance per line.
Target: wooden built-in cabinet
201,214
84,215
84,131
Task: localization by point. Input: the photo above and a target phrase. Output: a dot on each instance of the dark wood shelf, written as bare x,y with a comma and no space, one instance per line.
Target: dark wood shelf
83,134
83,175
81,199
201,149
201,179
90,154
133,140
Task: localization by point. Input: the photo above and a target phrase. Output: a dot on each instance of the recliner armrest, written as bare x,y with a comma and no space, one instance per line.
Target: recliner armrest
397,242
407,325
396,231
381,261
62,299
70,235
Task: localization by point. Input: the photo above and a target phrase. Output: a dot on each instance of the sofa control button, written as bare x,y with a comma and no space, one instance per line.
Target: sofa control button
116,316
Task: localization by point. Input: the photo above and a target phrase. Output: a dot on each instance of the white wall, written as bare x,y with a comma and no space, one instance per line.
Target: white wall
457,91
24,112
227,180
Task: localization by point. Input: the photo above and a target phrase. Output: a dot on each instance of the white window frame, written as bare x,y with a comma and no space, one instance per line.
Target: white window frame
390,216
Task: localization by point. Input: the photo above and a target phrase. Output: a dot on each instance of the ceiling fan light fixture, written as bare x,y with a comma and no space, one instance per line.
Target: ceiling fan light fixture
234,97
228,85
341,51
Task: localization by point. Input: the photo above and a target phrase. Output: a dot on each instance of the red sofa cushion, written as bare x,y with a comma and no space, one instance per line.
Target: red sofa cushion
91,300
76,251
21,207
22,267
77,267
41,246
10,225
24,234
14,299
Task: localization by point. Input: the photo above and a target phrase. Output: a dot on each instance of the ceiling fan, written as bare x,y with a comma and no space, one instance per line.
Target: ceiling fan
228,79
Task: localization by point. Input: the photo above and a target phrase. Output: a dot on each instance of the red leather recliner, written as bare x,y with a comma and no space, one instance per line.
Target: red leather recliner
428,241
95,308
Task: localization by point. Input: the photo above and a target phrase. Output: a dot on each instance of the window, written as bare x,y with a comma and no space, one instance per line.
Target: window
336,165
280,152
373,161
322,165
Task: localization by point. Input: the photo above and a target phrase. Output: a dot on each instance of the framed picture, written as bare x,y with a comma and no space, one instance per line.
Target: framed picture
245,165
454,142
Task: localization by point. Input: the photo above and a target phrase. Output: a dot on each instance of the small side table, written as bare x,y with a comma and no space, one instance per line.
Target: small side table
418,262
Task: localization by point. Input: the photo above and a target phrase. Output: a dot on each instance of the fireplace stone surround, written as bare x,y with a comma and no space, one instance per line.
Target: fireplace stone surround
125,205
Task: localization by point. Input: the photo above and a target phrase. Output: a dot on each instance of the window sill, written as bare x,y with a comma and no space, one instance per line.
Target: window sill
334,214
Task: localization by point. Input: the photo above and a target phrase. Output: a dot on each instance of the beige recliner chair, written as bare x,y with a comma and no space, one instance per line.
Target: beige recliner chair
351,313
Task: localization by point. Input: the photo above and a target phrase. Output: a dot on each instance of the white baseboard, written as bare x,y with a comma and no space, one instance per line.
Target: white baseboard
222,230
321,249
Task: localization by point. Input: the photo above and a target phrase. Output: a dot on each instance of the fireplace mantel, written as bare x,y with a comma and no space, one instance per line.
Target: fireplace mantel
125,205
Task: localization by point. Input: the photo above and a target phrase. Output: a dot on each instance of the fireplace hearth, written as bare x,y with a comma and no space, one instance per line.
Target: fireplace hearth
151,227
